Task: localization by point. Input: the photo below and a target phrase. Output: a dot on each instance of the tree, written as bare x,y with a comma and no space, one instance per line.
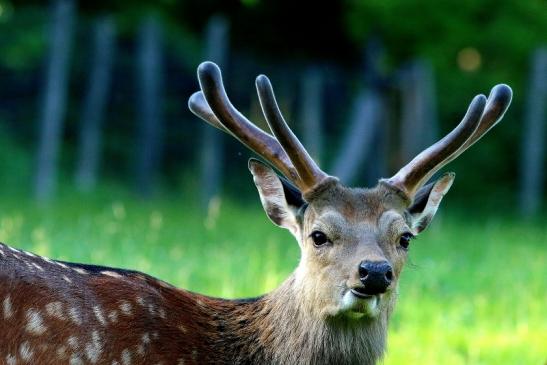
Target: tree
54,102
149,76
94,104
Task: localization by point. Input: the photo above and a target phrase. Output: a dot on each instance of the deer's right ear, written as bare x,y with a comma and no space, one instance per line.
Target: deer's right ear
427,201
280,199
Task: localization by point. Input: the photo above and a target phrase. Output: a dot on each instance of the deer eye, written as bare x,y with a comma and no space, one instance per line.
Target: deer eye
405,238
319,238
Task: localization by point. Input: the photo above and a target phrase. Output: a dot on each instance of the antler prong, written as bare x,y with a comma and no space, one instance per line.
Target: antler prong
307,168
198,105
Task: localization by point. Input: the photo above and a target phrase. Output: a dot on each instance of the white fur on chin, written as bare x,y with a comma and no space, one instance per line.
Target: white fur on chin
355,307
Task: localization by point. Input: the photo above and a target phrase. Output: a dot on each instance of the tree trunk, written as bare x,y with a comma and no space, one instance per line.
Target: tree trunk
54,102
311,115
149,117
533,143
359,137
419,114
94,105
212,141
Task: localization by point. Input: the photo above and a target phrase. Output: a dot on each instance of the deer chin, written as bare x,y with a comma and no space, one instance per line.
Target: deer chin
358,306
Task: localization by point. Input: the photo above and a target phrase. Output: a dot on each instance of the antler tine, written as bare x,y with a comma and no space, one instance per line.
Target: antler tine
411,177
308,170
497,104
198,105
220,112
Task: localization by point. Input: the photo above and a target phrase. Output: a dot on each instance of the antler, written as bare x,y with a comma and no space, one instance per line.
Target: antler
284,151
307,168
482,115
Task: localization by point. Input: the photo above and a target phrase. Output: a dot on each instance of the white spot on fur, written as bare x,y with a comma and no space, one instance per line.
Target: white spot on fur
75,316
126,357
113,316
140,350
61,352
17,257
67,279
140,301
115,363
11,360
72,342
37,266
111,273
47,259
94,349
29,254
99,314
155,335
126,308
61,264
6,307
180,361
162,313
55,309
182,328
152,309
35,323
145,338
25,352
75,360
80,271
12,249
3,254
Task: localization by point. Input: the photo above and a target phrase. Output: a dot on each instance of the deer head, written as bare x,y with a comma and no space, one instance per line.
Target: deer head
354,241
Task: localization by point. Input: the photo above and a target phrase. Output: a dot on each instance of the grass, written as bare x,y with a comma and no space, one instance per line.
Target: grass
474,291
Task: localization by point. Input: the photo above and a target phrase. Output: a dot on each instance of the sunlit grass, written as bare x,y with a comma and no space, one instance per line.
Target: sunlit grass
474,291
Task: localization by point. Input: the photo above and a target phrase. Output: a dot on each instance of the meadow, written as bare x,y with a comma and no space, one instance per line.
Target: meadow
474,291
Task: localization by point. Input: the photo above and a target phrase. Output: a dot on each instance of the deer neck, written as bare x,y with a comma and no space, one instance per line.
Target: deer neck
279,328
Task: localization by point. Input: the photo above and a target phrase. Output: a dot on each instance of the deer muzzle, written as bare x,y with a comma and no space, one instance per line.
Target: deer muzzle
375,276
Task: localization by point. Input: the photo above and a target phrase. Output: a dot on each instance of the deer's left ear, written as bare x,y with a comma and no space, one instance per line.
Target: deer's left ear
280,199
427,201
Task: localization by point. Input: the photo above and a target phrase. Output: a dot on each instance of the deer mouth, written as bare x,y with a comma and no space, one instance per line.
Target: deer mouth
358,304
359,292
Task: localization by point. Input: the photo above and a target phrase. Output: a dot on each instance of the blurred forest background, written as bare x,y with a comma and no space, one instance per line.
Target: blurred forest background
102,162
95,93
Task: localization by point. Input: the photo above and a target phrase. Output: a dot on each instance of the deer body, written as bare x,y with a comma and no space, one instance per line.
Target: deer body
333,309
62,313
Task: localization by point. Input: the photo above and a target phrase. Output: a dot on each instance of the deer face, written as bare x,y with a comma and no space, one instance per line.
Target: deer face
354,242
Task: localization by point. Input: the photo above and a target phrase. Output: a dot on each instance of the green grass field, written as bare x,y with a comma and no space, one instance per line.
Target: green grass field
474,291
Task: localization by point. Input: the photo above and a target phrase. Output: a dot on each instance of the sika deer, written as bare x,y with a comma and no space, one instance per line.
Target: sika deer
334,308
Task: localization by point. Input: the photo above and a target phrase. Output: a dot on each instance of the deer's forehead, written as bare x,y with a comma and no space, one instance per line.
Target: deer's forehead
351,205
354,208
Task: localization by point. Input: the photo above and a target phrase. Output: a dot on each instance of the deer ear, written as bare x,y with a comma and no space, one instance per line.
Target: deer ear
427,201
280,199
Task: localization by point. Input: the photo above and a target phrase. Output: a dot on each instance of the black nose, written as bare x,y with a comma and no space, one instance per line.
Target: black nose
375,276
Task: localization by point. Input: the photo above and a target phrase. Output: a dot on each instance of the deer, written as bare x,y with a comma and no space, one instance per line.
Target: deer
333,309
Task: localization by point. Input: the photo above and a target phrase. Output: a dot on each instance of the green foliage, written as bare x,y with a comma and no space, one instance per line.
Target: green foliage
15,163
472,293
22,40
